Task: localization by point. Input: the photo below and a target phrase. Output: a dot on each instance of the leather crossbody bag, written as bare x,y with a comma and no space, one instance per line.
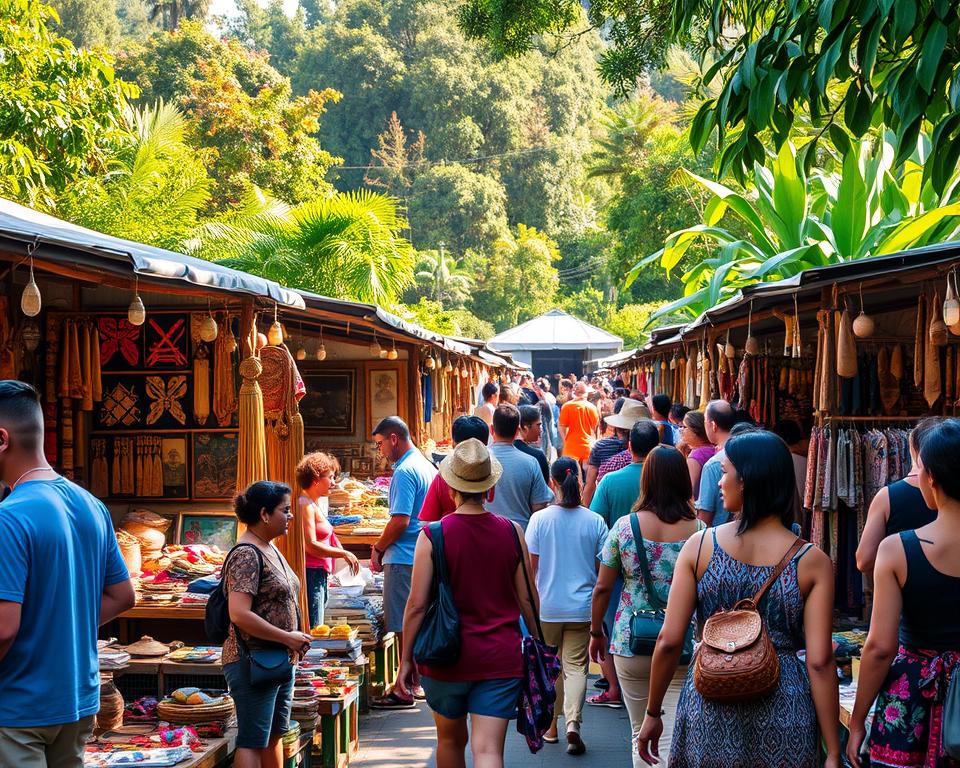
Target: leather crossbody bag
737,660
645,625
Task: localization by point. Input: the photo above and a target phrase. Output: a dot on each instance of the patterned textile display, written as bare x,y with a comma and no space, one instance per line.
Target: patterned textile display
166,342
777,730
166,396
118,337
282,388
120,406
224,381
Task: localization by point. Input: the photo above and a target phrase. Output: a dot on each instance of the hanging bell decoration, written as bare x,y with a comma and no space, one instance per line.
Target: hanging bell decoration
208,327
728,350
375,348
275,334
864,325
951,307
938,329
231,344
30,301
429,363
321,352
136,312
751,346
392,354
301,353
449,366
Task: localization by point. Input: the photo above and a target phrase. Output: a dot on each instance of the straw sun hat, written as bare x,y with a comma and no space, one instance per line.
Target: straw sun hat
631,412
470,468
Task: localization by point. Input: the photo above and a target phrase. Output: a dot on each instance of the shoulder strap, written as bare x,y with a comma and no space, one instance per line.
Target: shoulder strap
439,553
652,597
223,569
794,548
526,579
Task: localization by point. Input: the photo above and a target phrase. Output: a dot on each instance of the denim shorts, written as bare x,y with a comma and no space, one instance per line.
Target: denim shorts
490,698
263,711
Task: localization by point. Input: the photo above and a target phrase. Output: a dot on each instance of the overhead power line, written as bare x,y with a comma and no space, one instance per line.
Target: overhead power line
461,160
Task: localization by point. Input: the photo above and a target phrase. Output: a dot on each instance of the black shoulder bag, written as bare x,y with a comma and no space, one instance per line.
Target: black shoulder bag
438,639
645,625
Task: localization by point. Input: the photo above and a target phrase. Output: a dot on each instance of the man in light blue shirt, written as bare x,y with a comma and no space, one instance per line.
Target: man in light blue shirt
719,419
521,489
393,552
61,576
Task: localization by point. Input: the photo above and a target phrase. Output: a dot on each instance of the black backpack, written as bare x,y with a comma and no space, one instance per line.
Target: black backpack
216,619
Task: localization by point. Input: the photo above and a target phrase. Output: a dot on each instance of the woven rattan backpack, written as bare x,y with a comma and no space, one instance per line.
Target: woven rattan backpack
737,661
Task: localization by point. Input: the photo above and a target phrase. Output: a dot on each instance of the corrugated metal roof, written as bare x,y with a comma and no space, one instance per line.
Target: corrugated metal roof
51,234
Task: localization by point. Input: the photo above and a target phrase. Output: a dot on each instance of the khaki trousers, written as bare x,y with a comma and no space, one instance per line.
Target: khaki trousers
633,672
572,638
50,746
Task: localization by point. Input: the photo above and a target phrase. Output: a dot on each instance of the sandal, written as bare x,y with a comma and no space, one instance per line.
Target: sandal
605,700
551,739
391,701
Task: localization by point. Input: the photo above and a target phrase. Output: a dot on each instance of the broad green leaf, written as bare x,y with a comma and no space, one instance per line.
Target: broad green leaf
740,206
789,194
910,231
792,256
677,243
933,44
849,214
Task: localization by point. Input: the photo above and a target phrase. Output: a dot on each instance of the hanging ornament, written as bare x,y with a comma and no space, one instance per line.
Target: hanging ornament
449,366
231,344
301,353
393,354
752,346
136,312
938,329
321,350
430,363
728,350
275,332
464,371
375,349
30,301
863,326
208,326
951,307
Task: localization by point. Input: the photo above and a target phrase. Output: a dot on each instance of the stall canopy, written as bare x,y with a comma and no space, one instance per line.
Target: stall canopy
60,241
556,342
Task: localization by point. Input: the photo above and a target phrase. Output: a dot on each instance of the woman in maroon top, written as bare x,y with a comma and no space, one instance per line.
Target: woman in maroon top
483,559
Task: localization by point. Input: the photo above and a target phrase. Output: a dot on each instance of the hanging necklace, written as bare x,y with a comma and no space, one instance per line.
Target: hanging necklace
39,469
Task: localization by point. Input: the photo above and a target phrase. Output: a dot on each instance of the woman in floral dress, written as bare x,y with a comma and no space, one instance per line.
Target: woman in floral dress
913,649
717,569
666,517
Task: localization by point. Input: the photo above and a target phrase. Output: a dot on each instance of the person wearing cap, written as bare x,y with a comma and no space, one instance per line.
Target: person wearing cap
483,561
626,413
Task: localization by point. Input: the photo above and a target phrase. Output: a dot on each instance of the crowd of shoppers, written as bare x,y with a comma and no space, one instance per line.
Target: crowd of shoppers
648,505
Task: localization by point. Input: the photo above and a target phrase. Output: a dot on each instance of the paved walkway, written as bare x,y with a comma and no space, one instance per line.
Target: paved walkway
406,739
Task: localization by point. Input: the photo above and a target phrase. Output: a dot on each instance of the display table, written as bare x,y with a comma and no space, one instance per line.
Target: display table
358,544
339,729
385,662
218,752
155,620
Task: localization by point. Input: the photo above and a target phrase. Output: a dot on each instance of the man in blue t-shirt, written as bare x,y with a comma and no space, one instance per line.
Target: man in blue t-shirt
718,419
393,552
61,577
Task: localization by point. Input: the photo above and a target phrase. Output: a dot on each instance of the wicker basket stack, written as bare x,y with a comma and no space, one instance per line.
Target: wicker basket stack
188,714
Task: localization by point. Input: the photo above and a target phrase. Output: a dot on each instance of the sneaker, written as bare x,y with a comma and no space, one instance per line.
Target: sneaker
575,745
605,700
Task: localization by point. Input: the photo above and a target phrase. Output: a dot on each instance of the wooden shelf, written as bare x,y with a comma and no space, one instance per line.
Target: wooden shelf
196,612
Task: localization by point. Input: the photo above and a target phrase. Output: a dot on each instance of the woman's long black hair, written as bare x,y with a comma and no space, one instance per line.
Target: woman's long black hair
566,473
765,467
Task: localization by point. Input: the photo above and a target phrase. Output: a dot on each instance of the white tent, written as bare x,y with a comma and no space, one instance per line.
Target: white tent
556,342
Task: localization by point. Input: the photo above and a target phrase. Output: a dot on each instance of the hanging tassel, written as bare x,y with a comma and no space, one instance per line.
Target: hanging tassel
158,467
201,385
116,479
224,383
251,459
919,344
63,386
86,373
76,373
96,380
138,472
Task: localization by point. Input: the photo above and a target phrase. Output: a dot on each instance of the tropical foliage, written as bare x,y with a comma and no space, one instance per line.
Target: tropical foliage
48,139
346,245
789,221
440,278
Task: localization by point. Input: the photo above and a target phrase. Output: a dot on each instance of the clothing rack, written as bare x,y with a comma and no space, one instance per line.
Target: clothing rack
878,419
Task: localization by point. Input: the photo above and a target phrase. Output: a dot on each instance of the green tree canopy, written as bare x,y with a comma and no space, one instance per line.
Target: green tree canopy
61,108
241,109
519,280
88,23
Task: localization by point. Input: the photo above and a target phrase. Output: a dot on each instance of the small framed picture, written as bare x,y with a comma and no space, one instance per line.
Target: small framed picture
329,405
383,395
361,467
213,530
173,454
214,465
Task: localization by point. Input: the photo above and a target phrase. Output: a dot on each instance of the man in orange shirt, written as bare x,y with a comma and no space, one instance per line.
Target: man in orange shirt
578,425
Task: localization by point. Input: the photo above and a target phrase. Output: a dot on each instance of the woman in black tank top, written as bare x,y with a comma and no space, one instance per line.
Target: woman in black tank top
913,649
898,507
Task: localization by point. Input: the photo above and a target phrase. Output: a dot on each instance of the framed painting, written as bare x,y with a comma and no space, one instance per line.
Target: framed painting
329,406
214,465
361,467
213,530
173,454
383,395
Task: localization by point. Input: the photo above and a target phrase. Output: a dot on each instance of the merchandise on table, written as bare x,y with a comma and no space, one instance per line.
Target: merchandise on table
145,758
147,648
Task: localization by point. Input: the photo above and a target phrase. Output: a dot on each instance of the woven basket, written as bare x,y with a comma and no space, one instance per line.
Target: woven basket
130,551
110,715
184,714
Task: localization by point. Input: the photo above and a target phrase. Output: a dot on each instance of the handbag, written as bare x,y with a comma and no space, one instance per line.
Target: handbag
268,666
438,640
645,625
951,716
541,668
737,660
